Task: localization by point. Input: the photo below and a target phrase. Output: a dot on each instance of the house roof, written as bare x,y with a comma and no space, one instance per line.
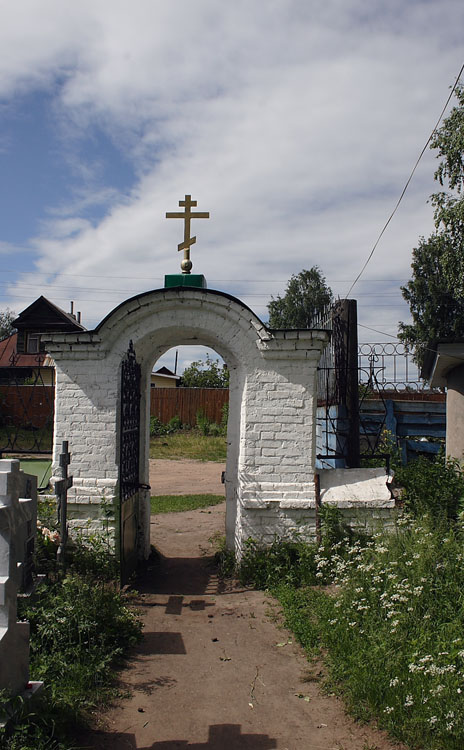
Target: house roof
43,315
165,371
441,357
9,356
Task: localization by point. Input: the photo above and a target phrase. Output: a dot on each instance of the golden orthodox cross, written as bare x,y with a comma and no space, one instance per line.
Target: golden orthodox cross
187,215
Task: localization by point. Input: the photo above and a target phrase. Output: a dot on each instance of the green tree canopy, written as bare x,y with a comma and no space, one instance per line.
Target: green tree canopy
207,373
435,293
306,294
6,322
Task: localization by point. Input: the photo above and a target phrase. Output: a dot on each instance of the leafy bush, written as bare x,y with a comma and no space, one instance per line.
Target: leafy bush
224,557
434,487
392,622
213,429
174,424
158,428
387,445
33,729
207,373
93,556
203,423
290,562
78,628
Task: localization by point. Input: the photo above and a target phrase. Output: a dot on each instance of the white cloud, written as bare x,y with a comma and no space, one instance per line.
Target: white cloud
295,127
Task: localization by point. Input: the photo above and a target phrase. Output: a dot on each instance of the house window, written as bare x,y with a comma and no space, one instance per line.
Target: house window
33,343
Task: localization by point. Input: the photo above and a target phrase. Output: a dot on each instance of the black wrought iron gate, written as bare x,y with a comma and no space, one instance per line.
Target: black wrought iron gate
129,480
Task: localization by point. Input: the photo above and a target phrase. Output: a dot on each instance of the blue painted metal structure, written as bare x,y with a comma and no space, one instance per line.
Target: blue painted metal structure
405,420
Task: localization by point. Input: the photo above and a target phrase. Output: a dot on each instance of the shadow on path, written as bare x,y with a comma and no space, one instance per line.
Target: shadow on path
220,737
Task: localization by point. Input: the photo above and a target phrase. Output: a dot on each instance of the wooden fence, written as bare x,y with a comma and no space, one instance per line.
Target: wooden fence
185,403
33,406
29,406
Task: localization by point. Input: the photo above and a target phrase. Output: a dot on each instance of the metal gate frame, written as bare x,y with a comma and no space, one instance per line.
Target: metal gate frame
129,464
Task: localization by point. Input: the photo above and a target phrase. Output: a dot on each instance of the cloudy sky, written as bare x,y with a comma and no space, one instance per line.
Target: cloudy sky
294,122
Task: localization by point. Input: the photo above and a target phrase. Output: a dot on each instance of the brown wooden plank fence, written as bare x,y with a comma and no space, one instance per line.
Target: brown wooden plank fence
166,403
27,405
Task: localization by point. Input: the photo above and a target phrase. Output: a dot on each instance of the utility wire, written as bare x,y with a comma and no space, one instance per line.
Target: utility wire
158,278
407,184
79,289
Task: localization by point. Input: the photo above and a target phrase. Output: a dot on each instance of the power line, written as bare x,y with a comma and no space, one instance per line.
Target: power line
76,290
382,333
407,183
159,278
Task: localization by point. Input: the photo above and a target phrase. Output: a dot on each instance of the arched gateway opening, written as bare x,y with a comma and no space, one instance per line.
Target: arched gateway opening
271,430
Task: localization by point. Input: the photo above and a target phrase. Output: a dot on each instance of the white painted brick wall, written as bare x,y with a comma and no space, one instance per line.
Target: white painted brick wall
271,434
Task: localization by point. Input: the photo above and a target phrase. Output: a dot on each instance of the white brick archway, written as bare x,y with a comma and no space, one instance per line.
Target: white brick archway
271,432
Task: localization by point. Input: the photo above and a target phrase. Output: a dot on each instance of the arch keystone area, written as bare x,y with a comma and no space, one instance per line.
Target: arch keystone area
272,406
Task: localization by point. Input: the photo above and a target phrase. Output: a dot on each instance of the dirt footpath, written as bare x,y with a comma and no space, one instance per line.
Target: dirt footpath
186,477
214,669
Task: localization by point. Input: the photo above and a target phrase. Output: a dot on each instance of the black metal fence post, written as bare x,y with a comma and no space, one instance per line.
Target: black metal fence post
352,385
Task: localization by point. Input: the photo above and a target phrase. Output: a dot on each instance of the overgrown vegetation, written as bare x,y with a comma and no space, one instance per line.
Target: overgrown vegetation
81,627
189,444
205,442
158,428
178,503
434,487
207,427
392,620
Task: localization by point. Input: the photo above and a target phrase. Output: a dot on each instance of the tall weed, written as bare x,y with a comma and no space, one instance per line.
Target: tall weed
81,625
290,562
434,487
394,631
78,629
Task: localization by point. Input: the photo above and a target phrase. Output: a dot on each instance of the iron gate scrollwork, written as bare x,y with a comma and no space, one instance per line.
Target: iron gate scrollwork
129,462
27,398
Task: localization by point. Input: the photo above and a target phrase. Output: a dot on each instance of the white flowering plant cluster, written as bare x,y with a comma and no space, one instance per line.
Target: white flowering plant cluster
394,629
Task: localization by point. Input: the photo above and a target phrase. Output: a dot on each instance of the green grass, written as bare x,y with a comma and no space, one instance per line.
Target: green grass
391,628
189,444
391,624
81,626
178,503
